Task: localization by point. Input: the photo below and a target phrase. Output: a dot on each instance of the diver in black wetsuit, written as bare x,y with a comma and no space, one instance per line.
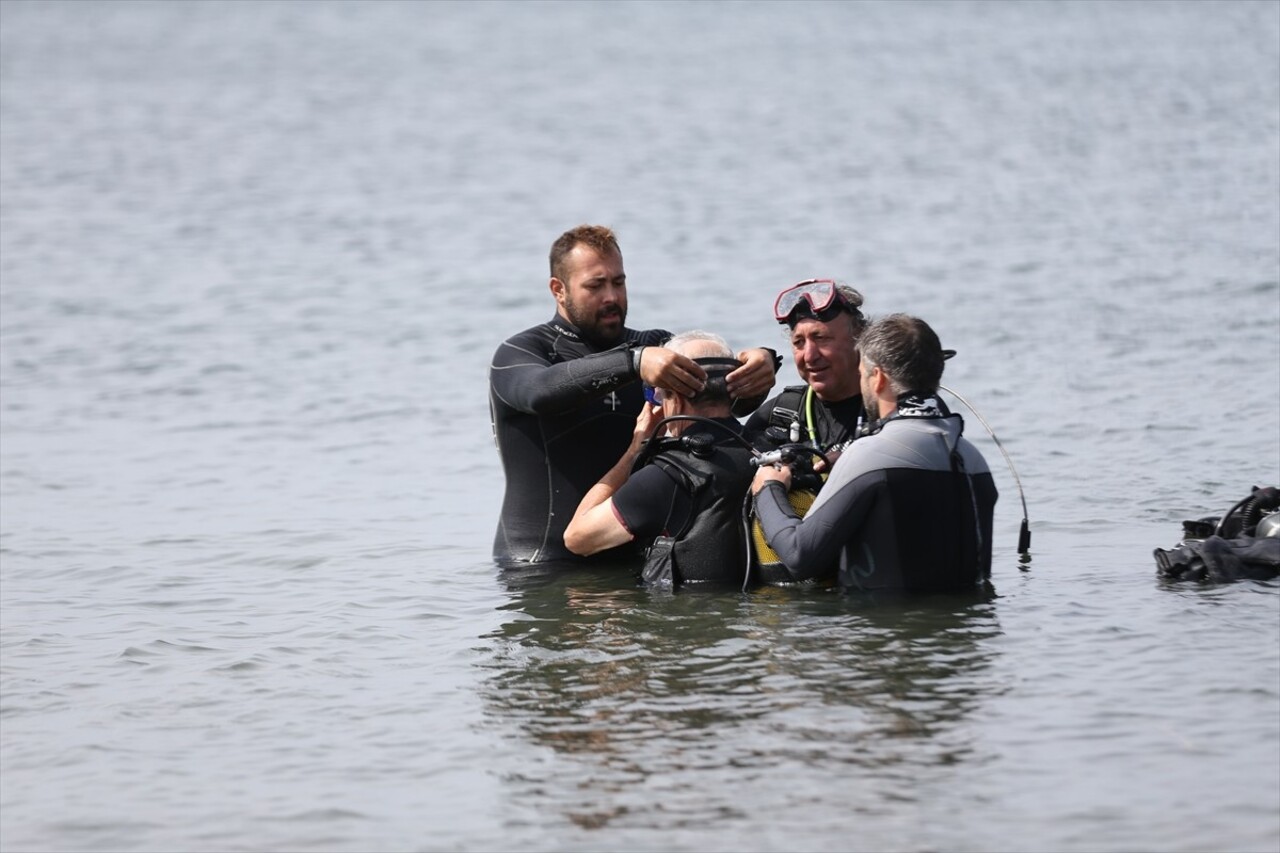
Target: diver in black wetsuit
682,493
563,396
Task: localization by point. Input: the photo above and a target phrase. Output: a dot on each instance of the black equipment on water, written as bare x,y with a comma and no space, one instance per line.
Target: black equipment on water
1244,543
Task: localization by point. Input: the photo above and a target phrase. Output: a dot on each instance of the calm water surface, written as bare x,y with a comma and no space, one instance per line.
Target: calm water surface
254,258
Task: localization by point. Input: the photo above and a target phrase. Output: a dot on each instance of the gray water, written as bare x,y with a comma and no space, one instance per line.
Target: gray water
254,258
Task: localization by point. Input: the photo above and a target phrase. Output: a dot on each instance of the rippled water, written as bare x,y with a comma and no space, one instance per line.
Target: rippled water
254,258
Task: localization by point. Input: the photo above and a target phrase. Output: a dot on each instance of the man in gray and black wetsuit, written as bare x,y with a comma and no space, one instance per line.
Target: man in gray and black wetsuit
907,507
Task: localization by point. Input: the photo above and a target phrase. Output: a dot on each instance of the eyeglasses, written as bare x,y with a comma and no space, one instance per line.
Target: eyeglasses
821,294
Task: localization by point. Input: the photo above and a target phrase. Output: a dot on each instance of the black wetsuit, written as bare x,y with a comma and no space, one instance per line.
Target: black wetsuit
563,413
907,508
697,499
833,423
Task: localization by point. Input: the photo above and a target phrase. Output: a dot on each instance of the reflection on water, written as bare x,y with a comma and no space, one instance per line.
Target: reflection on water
730,703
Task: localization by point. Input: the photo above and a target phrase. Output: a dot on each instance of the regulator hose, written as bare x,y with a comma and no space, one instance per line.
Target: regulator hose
1251,510
655,442
1024,532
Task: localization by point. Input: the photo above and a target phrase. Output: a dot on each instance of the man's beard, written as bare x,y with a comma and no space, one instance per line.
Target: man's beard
589,325
871,404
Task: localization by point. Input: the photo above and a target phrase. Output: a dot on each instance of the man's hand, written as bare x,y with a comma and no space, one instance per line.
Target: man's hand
594,526
646,421
754,378
771,473
662,368
824,462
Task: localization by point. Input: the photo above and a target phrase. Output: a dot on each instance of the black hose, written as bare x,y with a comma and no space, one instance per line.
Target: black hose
1259,501
1222,522
746,530
1250,517
737,436
1024,532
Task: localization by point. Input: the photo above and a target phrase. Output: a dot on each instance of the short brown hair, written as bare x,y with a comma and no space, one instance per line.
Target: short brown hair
597,237
907,350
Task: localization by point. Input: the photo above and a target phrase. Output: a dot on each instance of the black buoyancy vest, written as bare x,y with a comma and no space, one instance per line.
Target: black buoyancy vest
786,409
713,544
795,405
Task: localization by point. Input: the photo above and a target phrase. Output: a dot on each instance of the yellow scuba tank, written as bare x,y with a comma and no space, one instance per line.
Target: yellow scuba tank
766,559
766,565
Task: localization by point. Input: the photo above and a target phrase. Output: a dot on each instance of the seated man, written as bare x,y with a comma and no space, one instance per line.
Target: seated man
907,507
687,490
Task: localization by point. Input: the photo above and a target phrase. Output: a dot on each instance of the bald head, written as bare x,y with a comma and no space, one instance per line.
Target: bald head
714,399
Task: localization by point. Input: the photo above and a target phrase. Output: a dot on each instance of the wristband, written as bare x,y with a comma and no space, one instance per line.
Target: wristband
635,359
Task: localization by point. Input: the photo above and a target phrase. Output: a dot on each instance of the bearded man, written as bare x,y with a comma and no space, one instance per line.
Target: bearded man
564,395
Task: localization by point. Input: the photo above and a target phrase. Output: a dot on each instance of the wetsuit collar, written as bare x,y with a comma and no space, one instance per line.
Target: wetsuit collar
912,405
564,327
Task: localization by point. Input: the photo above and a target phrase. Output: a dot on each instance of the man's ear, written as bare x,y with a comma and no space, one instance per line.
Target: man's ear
879,380
558,290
